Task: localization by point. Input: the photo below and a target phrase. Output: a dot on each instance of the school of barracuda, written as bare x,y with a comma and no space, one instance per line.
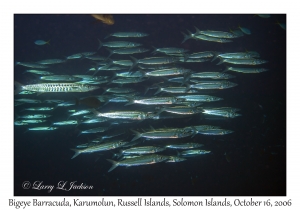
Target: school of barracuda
178,95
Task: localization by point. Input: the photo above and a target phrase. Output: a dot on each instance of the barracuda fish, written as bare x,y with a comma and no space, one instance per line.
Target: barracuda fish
75,56
156,101
94,130
212,39
81,112
246,70
119,90
210,75
80,55
128,80
193,60
91,82
130,74
118,44
213,85
53,101
95,120
58,78
39,108
55,87
131,115
99,147
173,133
181,110
155,60
140,150
87,77
96,57
26,92
204,127
67,103
175,159
238,55
33,121
67,122
217,34
35,116
142,160
51,61
222,113
167,72
111,68
169,50
33,71
42,129
124,157
193,152
121,62
216,131
174,90
191,103
127,34
250,61
190,145
32,65
20,123
207,54
126,51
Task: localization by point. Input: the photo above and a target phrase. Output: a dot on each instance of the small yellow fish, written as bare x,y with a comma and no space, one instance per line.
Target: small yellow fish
107,19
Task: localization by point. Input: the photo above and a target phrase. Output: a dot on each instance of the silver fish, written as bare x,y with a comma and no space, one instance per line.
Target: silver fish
193,152
51,61
32,65
216,131
189,145
67,122
55,87
246,70
39,72
99,147
142,160
127,34
42,128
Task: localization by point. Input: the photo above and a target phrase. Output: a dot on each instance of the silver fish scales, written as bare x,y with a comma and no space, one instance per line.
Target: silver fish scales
57,87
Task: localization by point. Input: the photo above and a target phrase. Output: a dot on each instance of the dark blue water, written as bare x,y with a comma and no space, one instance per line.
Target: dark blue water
256,151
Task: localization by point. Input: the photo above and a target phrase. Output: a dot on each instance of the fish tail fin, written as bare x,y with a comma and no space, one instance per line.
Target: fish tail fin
18,87
186,37
137,135
185,57
215,56
109,35
129,102
226,69
114,164
48,42
134,63
79,134
154,50
197,30
110,52
221,61
96,113
100,44
158,91
77,152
